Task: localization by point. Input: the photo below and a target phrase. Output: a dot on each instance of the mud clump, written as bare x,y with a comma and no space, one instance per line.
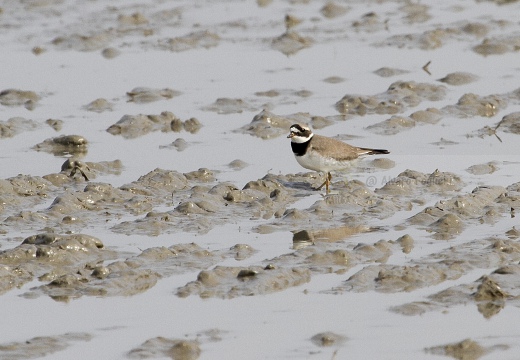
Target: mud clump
328,339
204,207
490,293
459,78
407,243
41,346
482,169
158,180
76,170
170,348
229,106
510,123
474,105
382,163
14,97
449,264
388,278
192,125
96,41
334,80
42,254
178,144
176,349
56,124
397,123
428,116
75,166
23,191
464,350
448,218
439,36
49,239
392,126
199,39
498,45
110,53
128,277
399,96
326,235
370,22
238,164
99,105
290,42
428,40
489,290
413,183
415,13
225,282
447,227
332,10
15,126
133,126
146,95
389,72
267,125
468,105
134,19
64,145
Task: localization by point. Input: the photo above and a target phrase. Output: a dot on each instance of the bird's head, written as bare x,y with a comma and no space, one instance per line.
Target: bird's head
300,133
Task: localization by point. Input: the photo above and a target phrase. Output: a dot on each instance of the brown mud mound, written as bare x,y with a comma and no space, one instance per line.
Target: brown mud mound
99,105
15,126
490,293
40,346
15,97
176,349
290,42
132,126
230,282
170,348
287,270
399,96
64,145
229,106
146,95
465,350
459,78
133,275
434,269
267,125
469,105
194,40
199,203
328,339
204,207
49,256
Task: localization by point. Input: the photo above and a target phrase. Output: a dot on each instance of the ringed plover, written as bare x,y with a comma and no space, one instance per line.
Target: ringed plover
321,153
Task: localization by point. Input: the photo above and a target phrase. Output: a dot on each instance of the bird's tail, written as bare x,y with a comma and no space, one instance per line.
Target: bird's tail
375,151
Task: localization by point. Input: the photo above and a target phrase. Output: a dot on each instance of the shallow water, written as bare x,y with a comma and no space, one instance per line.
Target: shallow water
229,61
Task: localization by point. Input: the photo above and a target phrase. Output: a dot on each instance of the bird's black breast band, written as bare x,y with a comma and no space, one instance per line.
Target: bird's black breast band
299,149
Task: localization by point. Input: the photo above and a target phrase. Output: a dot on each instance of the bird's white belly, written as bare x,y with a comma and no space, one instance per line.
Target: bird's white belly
315,162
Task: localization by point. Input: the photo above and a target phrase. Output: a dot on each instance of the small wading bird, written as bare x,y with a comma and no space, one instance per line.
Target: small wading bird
321,153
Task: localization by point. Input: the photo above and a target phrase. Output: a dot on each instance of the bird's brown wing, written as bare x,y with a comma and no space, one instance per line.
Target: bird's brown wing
335,148
341,151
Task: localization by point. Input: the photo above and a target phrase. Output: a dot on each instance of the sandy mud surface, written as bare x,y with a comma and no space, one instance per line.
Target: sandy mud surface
151,207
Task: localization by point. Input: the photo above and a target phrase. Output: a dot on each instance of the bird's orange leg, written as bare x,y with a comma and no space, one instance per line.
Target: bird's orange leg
328,178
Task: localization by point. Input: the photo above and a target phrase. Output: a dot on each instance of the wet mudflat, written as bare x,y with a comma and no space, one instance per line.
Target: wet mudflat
151,206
